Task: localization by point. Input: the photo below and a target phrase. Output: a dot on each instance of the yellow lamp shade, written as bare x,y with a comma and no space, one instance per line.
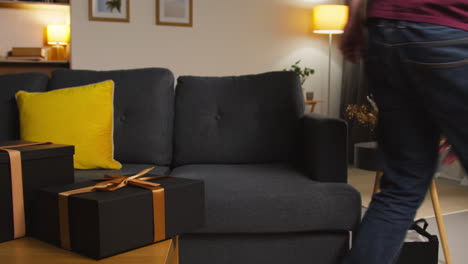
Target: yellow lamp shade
58,34
330,19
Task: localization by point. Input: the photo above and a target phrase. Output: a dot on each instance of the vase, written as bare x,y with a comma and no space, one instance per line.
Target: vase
309,96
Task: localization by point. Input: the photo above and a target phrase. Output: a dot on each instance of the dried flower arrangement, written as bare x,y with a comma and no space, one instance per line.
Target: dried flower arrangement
366,115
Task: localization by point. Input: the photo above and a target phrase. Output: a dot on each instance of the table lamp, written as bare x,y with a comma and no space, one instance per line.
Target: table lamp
58,36
329,19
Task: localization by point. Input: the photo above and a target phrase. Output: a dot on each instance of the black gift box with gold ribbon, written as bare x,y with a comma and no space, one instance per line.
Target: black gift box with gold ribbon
24,168
105,223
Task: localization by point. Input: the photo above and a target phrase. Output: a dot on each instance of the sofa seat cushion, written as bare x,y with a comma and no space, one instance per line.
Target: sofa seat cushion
127,169
271,198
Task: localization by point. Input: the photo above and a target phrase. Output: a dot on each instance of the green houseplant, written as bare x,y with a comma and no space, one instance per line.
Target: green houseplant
304,73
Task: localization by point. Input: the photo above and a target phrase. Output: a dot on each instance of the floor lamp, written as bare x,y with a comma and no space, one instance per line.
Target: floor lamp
330,19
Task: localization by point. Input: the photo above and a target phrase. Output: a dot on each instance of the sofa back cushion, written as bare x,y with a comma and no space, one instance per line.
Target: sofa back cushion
243,119
9,85
143,110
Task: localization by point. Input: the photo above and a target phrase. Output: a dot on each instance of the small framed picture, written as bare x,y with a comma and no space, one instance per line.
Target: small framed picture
174,12
109,10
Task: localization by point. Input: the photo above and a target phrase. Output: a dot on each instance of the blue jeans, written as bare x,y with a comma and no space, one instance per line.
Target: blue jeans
419,77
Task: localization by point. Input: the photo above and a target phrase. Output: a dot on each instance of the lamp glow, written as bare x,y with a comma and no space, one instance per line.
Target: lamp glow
58,34
330,19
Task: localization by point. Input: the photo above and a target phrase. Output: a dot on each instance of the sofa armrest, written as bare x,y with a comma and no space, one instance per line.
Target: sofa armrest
325,148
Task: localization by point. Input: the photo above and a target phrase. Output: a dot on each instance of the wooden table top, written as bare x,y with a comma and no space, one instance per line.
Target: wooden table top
32,251
313,101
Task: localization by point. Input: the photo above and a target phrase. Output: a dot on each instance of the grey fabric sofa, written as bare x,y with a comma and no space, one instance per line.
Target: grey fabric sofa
275,178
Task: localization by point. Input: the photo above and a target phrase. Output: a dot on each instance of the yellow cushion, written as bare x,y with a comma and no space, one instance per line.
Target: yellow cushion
81,116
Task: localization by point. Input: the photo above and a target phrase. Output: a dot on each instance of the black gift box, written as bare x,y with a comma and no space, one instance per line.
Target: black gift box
42,166
103,224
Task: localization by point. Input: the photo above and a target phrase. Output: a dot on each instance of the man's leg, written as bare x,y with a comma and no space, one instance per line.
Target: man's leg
408,137
409,142
442,75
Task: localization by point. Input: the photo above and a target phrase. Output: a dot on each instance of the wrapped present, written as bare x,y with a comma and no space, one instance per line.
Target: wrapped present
120,213
24,168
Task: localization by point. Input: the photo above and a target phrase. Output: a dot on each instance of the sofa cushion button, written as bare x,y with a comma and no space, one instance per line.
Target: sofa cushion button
218,117
123,118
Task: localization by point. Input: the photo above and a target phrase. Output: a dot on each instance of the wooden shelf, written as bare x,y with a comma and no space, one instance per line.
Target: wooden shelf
47,67
34,5
64,62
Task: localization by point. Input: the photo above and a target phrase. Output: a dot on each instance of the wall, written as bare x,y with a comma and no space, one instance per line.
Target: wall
229,37
25,27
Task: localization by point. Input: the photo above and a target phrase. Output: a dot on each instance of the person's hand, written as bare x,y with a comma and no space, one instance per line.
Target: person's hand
353,41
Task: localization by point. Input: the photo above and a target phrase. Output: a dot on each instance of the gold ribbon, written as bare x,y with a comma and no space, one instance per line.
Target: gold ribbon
17,196
112,183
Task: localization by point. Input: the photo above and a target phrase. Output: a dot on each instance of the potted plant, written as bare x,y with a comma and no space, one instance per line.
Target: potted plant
304,73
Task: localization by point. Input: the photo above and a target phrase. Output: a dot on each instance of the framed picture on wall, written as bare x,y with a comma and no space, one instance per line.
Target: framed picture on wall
174,12
109,10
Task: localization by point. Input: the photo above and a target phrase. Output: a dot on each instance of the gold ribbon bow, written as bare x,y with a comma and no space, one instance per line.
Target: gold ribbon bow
112,183
17,195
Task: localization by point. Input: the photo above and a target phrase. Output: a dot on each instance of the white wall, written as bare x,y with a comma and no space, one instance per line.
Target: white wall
25,27
229,37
